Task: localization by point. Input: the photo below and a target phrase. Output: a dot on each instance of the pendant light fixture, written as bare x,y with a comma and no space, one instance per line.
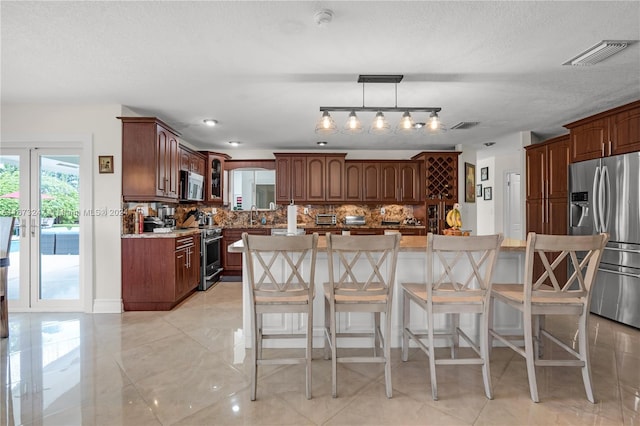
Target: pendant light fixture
406,124
326,125
380,125
353,124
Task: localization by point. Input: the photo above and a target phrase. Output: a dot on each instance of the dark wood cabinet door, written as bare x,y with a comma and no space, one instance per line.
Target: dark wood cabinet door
536,159
162,161
185,160
316,177
557,216
536,216
283,177
557,178
371,181
389,185
409,183
588,140
298,178
173,167
335,180
353,181
625,132
232,262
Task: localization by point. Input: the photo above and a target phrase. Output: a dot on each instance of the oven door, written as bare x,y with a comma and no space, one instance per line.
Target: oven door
211,261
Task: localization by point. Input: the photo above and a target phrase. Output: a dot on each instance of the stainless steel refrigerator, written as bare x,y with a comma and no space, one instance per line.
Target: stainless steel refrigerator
604,196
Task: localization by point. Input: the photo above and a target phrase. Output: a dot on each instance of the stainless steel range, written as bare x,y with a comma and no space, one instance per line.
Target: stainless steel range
211,257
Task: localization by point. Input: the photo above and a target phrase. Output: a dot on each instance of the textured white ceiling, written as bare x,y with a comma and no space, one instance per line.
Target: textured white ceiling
262,69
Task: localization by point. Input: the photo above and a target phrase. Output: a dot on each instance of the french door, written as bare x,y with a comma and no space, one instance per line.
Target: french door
41,187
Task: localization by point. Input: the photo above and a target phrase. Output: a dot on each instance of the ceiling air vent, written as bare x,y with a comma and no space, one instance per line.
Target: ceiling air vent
599,52
463,125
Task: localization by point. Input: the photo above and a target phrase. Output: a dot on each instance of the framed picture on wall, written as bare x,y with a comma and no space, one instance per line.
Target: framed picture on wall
470,183
484,173
479,190
487,193
105,163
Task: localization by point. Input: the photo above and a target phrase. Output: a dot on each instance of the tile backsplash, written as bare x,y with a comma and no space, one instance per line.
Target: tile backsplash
227,218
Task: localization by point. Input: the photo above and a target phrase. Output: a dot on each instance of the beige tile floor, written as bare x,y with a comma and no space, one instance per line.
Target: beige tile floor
186,367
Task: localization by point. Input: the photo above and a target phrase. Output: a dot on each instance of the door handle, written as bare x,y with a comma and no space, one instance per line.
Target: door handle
606,185
34,225
23,228
596,200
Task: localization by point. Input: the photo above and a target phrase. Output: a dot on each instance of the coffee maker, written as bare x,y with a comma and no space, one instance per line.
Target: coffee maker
166,214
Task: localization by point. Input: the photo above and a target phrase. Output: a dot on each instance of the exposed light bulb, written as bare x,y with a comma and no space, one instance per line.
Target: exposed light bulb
326,122
406,122
210,122
353,123
433,121
379,120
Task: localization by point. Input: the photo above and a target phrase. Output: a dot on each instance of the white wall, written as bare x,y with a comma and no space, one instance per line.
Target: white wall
20,121
468,211
507,155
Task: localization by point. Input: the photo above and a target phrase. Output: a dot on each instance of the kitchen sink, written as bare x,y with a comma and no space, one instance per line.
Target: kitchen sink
283,231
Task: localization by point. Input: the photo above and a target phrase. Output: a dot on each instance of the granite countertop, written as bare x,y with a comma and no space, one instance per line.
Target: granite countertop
407,243
181,232
173,234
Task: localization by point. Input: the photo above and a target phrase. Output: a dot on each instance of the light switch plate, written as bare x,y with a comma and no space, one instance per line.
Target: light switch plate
382,210
214,211
306,210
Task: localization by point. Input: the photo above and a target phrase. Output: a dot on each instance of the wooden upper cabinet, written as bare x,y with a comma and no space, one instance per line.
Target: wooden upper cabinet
400,182
410,181
590,140
192,161
150,161
291,176
536,159
316,177
558,153
353,181
214,173
547,165
335,181
613,132
440,174
389,188
371,181
625,131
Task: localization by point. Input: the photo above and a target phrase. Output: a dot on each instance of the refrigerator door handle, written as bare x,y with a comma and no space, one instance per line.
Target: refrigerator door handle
595,202
605,184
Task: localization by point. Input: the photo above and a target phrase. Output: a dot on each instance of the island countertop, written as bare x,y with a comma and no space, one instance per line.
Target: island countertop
407,243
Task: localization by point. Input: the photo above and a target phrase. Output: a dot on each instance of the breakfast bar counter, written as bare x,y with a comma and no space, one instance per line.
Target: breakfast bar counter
410,268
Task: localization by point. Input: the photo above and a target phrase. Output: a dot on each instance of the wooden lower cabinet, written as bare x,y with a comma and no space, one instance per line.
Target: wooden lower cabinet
232,262
158,273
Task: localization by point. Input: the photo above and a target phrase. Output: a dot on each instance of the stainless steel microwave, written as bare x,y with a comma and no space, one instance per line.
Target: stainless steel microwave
191,186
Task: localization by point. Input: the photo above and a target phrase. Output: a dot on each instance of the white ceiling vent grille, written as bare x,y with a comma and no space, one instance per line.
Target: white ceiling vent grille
464,125
599,52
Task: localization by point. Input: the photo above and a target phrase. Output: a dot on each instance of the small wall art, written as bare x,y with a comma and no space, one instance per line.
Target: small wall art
484,173
470,179
479,190
487,193
105,163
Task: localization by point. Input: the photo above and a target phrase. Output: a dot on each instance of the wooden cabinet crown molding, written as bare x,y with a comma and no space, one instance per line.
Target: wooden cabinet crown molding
603,114
149,120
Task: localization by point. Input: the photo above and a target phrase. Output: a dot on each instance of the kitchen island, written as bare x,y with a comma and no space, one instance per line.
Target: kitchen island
410,268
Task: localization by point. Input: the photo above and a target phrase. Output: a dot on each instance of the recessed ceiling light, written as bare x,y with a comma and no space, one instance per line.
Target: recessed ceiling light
489,143
234,143
322,143
210,122
418,125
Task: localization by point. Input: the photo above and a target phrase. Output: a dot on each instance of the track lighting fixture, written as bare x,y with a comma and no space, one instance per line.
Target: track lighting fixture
380,125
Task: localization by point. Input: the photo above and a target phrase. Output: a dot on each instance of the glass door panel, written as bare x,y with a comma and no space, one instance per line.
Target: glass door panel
57,227
40,188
